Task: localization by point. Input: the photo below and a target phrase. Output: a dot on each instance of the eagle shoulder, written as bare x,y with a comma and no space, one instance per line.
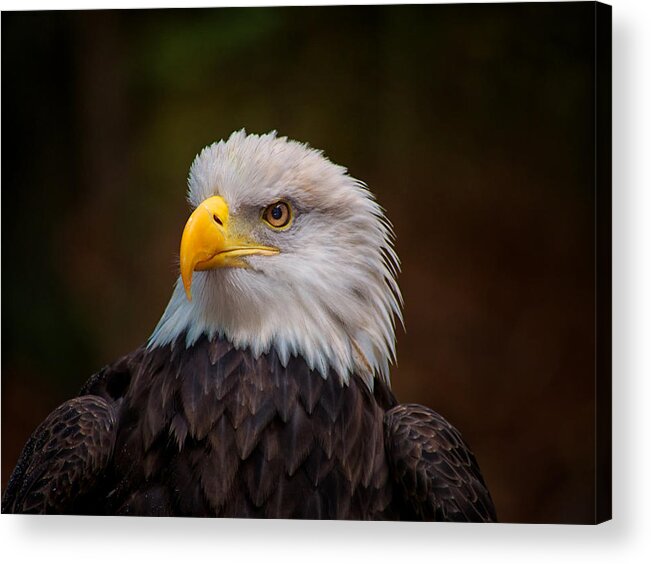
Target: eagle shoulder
436,475
63,458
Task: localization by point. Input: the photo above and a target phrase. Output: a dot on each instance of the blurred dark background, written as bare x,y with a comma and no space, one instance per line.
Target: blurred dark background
473,124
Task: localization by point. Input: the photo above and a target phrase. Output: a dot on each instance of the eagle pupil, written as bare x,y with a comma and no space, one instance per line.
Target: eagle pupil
277,212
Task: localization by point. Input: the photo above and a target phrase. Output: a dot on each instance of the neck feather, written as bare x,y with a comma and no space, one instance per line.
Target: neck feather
328,338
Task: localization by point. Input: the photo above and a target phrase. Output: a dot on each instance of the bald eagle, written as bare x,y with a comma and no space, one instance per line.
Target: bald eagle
264,389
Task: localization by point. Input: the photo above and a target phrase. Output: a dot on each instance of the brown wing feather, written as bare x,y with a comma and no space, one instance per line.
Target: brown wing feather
63,458
436,474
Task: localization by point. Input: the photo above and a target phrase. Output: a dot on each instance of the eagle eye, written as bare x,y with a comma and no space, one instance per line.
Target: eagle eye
278,215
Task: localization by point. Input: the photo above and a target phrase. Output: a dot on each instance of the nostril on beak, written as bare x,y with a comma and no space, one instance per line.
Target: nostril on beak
217,220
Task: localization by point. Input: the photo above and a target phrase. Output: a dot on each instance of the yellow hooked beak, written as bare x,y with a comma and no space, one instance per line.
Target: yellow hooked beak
206,243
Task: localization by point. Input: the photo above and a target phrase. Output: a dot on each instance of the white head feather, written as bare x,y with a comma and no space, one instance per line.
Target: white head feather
329,296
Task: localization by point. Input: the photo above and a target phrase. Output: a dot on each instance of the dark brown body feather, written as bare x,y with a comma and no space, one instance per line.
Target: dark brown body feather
212,431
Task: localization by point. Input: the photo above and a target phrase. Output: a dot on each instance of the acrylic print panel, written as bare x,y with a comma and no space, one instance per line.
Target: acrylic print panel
269,387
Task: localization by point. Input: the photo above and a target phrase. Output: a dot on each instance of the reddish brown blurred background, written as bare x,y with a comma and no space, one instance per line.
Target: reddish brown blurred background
472,124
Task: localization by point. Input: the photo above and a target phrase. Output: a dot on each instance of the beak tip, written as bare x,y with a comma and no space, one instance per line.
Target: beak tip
187,285
188,291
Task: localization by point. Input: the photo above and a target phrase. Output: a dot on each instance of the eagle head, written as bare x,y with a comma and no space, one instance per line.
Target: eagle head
285,251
